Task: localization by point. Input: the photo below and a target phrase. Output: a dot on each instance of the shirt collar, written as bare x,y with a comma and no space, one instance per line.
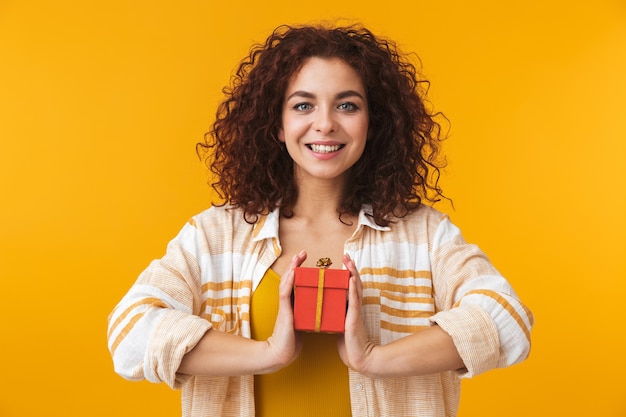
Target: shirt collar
366,219
266,226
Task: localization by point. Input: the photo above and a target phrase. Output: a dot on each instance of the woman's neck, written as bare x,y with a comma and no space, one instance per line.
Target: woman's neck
319,199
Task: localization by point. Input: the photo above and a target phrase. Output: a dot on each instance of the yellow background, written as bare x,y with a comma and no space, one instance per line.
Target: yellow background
102,102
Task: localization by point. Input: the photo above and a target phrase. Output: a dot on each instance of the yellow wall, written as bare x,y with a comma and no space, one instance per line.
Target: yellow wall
101,103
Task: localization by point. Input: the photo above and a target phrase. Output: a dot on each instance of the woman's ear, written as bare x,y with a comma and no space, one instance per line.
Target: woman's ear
281,135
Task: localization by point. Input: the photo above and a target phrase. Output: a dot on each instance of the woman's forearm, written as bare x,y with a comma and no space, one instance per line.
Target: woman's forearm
224,354
426,352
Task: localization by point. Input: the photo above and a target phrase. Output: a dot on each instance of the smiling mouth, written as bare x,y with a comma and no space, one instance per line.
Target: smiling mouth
324,148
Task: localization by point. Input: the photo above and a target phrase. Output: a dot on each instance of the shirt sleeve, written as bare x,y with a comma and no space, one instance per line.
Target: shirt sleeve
476,305
156,322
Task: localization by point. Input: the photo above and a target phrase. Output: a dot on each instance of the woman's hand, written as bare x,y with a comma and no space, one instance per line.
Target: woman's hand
425,352
355,349
224,354
284,342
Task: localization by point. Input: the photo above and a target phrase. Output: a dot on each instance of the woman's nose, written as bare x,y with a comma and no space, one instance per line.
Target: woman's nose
324,121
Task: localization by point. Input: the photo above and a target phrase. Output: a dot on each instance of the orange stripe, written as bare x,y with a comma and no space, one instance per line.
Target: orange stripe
227,317
145,301
375,300
529,314
125,331
226,320
396,273
401,328
218,304
216,286
399,288
508,307
259,225
370,300
226,285
227,300
405,313
154,302
276,247
403,299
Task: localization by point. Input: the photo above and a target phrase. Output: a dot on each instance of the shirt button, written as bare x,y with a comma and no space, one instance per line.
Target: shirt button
358,387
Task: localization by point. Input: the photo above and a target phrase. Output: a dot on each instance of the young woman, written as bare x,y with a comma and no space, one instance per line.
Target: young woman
323,147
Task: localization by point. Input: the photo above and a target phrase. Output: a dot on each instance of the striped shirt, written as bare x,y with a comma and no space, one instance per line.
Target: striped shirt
415,272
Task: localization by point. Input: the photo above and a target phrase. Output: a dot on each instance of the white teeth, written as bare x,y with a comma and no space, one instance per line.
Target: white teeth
324,148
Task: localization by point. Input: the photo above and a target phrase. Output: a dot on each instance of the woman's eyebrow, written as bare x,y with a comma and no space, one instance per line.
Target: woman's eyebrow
350,93
301,93
341,95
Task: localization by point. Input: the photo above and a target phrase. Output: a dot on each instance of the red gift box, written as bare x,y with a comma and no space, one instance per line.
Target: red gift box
320,299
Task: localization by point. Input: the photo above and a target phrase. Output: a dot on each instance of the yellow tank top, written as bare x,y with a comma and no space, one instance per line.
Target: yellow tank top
315,384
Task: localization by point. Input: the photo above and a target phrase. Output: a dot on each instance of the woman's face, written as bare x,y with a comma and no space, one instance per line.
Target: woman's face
325,119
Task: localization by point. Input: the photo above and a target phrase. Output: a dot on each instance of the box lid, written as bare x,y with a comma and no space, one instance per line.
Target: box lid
333,278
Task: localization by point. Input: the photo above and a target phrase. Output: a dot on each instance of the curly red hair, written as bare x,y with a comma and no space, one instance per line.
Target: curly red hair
400,166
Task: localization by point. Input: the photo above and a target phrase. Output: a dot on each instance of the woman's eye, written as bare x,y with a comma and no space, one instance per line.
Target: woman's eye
348,107
302,107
